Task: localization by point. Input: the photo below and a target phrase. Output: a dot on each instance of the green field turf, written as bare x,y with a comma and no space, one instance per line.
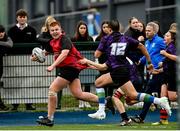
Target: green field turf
134,126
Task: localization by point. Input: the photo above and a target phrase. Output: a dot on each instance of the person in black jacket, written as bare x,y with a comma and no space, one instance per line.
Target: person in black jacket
22,33
5,43
134,32
44,37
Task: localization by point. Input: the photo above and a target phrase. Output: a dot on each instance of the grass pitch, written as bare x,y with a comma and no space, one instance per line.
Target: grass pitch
133,126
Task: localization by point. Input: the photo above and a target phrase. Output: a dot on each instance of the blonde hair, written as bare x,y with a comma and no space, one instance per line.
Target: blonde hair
154,26
48,21
173,28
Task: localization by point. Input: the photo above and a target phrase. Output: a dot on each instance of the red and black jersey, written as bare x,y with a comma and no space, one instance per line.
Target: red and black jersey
57,45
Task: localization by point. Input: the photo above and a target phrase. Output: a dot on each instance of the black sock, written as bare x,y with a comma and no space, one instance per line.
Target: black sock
124,116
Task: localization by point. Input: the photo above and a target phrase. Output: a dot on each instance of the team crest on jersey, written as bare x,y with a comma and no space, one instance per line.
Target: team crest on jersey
153,44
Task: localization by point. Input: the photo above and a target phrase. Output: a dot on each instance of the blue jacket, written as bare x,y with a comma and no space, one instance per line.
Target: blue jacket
154,46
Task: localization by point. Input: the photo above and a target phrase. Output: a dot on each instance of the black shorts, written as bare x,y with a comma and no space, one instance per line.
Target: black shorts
68,73
172,82
120,75
169,78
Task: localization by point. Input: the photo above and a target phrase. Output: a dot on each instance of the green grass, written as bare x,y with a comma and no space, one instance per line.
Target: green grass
145,126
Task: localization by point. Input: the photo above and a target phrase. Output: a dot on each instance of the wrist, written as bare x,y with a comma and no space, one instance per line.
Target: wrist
149,62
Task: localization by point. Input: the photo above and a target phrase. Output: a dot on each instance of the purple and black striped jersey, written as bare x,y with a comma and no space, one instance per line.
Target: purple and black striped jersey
116,46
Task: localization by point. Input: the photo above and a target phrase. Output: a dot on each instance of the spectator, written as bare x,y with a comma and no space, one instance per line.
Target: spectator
45,36
141,28
22,33
133,31
154,45
134,55
82,35
5,43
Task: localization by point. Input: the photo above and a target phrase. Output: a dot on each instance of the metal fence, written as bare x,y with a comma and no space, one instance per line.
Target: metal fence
28,82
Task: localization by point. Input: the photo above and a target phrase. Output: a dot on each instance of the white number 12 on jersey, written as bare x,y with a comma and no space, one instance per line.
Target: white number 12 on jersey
118,48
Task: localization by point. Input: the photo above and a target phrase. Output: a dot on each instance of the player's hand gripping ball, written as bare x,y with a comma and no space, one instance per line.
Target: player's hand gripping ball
38,55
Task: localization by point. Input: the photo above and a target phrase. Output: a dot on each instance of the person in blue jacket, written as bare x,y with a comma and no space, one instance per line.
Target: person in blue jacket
154,44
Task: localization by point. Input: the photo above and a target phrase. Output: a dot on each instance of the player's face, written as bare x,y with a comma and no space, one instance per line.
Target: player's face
149,32
21,19
55,31
106,29
167,38
82,30
2,35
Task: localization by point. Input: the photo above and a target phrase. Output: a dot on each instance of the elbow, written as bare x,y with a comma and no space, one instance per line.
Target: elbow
140,46
11,45
64,56
97,54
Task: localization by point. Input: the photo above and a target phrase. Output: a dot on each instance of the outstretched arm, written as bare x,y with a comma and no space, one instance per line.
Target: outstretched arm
98,66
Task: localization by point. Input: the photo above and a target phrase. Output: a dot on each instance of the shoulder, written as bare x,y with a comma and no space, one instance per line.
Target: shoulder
158,38
31,28
13,28
105,38
73,39
172,46
98,38
127,32
65,39
128,38
90,38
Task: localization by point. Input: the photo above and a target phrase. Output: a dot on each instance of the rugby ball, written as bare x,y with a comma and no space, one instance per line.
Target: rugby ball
39,54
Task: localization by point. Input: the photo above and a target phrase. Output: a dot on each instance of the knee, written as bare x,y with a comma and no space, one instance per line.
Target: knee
97,83
172,98
117,95
132,96
52,93
78,95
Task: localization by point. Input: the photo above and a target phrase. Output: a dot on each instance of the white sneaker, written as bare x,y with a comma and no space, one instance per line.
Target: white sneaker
98,115
165,104
86,104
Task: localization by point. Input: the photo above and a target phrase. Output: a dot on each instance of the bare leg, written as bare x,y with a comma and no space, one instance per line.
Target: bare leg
57,85
118,104
77,92
130,91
